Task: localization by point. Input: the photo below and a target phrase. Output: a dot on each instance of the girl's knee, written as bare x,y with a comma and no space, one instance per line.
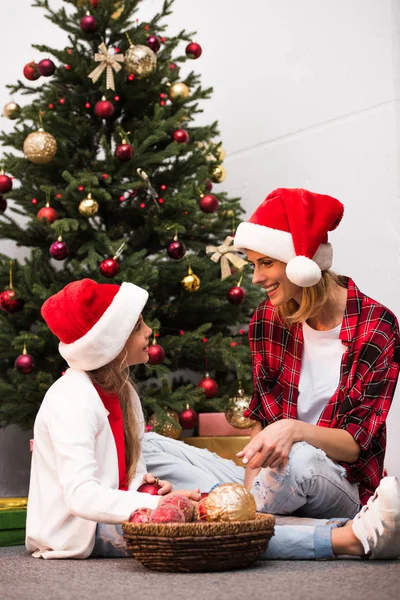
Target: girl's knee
304,458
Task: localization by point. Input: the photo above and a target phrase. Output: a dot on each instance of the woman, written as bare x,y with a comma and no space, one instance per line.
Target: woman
325,363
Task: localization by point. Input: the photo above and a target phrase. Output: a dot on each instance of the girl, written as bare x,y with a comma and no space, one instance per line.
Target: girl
325,365
87,462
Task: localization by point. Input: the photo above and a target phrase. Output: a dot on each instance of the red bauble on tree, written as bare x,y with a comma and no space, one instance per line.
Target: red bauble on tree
124,152
46,67
3,204
88,23
188,418
176,249
154,43
209,203
109,267
94,3
31,71
156,354
59,249
193,50
5,183
181,136
10,302
48,213
149,488
209,385
104,109
24,362
236,294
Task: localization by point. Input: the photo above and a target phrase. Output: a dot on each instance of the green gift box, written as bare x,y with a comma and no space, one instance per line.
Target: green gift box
12,527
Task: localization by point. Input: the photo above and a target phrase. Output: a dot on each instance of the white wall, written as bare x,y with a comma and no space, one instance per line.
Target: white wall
306,94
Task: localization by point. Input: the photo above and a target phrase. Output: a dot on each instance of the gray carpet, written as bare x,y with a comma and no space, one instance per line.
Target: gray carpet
26,578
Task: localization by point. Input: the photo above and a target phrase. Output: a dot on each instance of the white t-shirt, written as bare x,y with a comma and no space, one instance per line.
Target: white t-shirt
320,371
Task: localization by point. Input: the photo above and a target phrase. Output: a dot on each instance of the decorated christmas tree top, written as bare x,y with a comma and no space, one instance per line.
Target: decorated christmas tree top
114,181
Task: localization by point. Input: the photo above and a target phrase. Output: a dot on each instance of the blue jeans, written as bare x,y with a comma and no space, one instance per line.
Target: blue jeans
309,485
294,539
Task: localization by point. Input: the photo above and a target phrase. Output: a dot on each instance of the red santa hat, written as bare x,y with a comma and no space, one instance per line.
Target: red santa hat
292,225
93,320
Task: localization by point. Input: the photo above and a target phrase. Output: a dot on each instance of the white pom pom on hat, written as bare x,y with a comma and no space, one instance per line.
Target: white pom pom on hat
292,225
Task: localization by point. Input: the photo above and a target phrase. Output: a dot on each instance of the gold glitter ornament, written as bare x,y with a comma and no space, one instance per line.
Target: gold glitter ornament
228,502
218,174
178,90
12,110
170,428
40,147
220,153
235,408
88,207
191,283
140,61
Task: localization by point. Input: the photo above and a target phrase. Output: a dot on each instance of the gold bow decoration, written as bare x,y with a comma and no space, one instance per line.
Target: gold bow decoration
226,254
109,62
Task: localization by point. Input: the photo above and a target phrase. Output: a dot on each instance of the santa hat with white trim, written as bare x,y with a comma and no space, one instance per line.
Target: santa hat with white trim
93,321
292,225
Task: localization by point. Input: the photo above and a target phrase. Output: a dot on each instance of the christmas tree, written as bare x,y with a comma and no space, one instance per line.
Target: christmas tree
113,180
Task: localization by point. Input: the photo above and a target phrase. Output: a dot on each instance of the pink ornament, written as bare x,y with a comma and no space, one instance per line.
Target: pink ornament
88,24
46,67
59,250
154,43
24,363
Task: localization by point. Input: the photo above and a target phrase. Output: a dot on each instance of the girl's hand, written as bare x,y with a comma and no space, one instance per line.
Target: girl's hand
165,488
193,495
270,447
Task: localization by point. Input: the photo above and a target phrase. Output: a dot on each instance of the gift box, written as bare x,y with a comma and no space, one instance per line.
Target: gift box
12,527
225,447
215,425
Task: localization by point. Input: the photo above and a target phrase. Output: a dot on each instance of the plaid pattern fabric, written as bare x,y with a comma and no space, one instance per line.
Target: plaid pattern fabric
368,377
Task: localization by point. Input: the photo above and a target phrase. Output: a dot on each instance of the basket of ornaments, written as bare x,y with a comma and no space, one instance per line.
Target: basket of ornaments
223,532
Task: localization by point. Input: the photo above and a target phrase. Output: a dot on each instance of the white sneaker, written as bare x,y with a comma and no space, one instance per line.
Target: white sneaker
377,525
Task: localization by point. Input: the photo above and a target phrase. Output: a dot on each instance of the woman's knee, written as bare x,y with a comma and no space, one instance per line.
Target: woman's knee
305,459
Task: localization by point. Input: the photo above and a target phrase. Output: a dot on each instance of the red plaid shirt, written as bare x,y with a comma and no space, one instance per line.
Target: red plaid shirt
368,377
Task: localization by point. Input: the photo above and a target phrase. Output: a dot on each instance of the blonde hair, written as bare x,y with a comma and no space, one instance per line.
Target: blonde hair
115,379
313,299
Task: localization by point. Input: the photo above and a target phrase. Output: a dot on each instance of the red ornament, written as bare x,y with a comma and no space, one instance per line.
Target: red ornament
173,66
162,103
176,250
167,513
109,267
67,67
156,354
58,196
59,250
163,187
48,213
193,50
51,106
209,385
154,43
188,418
181,502
10,303
209,203
161,201
31,71
208,185
94,3
140,515
104,109
105,176
236,294
88,24
181,136
81,188
34,201
142,205
5,184
3,204
87,105
62,100
46,67
124,152
131,77
24,363
149,488
117,98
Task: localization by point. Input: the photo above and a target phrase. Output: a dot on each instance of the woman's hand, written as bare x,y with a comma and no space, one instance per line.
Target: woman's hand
193,495
270,447
165,488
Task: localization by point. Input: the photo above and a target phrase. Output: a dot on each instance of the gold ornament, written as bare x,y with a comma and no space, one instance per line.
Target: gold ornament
229,502
218,174
169,428
235,408
225,252
88,206
140,60
220,153
12,110
108,62
40,147
178,90
191,283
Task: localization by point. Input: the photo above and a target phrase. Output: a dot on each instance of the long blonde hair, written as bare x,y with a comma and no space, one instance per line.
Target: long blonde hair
115,379
313,299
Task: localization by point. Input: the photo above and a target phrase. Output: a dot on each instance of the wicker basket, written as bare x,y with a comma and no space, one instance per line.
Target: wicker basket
190,547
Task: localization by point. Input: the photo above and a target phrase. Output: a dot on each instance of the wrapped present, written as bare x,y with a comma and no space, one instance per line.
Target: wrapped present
12,526
215,425
225,447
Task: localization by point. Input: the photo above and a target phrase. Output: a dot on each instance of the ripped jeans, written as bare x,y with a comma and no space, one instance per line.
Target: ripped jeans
309,485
